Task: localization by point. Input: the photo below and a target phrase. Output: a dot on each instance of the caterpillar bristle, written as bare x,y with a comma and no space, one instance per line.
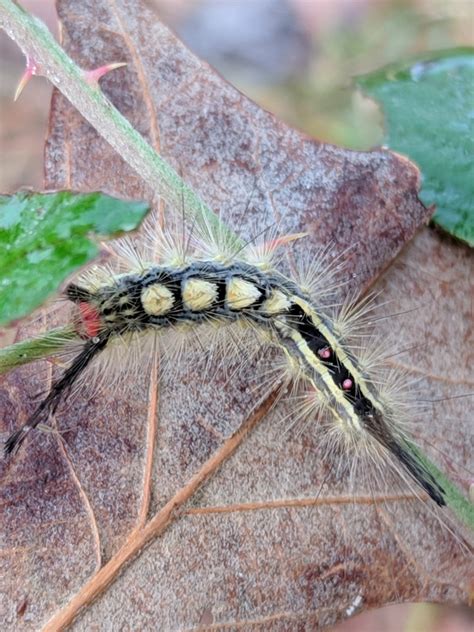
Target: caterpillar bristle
14,441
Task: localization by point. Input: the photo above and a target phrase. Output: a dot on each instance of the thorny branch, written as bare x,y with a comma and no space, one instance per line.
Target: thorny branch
51,61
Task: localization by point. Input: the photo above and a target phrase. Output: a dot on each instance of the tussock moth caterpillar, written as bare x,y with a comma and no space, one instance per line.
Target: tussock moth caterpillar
188,290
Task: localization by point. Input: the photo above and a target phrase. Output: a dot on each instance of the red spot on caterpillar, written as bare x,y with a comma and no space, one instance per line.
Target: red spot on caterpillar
347,384
324,353
90,320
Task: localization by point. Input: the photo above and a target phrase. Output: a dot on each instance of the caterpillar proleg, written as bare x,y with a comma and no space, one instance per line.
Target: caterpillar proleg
182,287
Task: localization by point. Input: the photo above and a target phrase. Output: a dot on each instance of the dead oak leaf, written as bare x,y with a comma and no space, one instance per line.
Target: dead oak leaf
260,544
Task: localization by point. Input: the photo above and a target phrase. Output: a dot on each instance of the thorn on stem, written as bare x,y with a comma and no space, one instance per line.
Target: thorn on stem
30,70
92,76
283,240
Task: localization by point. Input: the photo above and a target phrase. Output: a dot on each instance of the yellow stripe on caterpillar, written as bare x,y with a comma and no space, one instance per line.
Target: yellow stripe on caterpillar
340,352
332,388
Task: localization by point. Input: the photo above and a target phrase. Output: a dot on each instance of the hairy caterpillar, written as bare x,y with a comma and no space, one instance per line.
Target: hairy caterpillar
181,287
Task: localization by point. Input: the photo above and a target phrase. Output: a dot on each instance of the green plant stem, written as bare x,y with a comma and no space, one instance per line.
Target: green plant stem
455,499
52,62
29,350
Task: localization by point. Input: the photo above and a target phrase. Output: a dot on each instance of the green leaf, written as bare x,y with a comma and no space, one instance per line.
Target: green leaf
429,112
44,237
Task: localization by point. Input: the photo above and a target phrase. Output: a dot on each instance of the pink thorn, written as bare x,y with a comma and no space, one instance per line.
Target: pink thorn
347,384
92,76
283,240
30,70
324,353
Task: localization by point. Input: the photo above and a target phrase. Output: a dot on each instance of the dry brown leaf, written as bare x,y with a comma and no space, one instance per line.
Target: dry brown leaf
259,545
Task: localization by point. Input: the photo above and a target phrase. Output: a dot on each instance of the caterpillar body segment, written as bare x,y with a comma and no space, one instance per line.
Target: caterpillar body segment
185,293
